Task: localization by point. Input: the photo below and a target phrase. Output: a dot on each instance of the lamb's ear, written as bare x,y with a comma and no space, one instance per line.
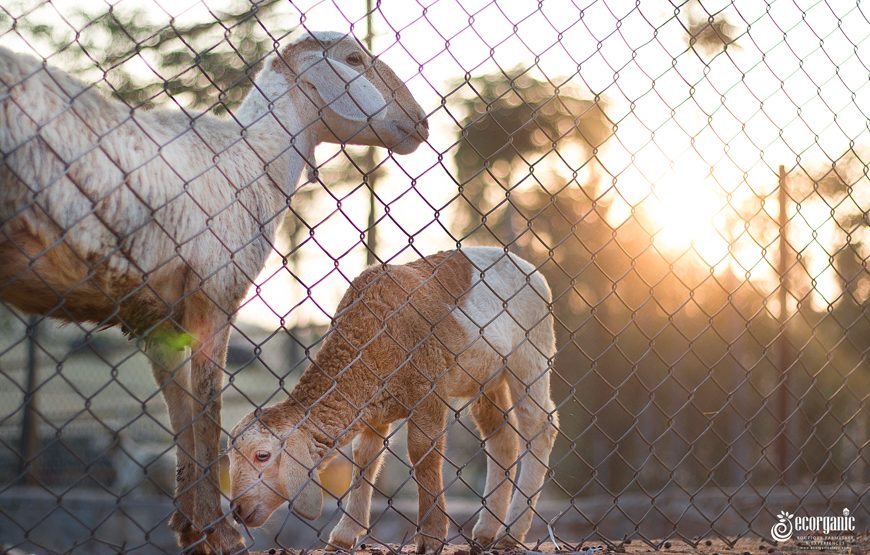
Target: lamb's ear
309,503
302,491
345,91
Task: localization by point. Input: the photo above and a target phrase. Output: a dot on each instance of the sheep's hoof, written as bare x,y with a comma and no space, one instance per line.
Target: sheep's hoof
222,539
194,542
188,537
179,523
428,545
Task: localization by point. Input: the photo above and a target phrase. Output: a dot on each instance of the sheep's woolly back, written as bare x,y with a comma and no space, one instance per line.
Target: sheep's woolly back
92,187
119,215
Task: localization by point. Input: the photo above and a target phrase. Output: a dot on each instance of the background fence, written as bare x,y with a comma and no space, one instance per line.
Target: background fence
691,177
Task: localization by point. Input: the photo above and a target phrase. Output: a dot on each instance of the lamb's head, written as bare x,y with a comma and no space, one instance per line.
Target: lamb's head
355,97
269,468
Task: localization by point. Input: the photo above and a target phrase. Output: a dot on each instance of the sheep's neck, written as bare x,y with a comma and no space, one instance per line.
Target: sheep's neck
337,407
274,129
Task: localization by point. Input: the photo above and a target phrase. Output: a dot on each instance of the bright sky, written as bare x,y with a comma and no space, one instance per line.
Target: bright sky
691,137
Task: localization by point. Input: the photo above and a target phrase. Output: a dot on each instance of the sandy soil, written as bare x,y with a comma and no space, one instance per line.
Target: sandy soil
853,545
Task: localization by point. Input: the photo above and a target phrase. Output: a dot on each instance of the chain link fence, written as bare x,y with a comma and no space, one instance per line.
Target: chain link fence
691,178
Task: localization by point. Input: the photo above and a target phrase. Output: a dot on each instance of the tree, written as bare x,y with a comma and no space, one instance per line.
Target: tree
707,32
528,173
514,129
146,62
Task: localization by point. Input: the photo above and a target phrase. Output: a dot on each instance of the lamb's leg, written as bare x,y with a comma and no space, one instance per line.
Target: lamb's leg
209,357
426,441
497,426
169,364
368,456
538,425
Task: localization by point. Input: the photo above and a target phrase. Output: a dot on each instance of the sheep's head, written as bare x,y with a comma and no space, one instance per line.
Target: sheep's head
268,470
357,97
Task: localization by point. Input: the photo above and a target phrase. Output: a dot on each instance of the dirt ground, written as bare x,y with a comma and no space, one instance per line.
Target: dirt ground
853,545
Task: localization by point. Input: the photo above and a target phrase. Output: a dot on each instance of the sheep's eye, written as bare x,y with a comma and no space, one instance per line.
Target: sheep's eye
263,456
354,58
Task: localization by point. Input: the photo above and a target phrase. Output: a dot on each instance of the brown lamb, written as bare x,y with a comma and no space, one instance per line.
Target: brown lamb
404,341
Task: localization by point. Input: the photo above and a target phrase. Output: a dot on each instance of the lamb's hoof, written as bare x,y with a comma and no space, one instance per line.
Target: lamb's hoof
507,542
479,544
334,545
340,542
429,546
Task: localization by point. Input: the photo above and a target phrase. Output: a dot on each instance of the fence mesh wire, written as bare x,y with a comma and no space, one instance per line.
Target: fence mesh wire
689,177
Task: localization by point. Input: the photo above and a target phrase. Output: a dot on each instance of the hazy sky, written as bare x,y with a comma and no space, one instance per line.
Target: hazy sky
691,136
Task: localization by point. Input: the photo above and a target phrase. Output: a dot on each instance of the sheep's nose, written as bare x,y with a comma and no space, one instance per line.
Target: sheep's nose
237,513
423,127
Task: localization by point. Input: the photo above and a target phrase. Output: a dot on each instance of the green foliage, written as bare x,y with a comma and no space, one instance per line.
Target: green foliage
514,126
707,32
513,118
147,61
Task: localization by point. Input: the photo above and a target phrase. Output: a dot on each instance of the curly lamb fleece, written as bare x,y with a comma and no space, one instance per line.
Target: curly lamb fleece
404,340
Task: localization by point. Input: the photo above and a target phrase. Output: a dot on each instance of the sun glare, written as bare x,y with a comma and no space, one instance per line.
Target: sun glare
682,204
687,213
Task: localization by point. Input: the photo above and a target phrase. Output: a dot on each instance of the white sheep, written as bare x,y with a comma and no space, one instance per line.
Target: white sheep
159,221
406,339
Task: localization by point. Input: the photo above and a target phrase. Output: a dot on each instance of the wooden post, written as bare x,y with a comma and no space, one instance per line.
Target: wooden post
28,469
372,176
741,456
784,361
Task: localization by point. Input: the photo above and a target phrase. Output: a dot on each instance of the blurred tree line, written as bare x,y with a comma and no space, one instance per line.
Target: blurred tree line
143,60
671,374
668,372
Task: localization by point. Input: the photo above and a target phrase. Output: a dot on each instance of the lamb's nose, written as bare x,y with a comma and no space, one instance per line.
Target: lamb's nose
237,514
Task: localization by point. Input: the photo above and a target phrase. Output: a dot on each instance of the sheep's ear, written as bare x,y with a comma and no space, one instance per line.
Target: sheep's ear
345,91
302,491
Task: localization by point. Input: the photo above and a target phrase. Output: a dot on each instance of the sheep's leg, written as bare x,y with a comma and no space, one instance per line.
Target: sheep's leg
537,423
207,364
169,364
426,443
497,426
368,457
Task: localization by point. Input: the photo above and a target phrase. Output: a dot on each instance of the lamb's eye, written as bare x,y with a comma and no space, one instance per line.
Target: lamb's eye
262,456
354,58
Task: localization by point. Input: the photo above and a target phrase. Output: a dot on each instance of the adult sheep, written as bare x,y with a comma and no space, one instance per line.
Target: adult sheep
159,221
405,340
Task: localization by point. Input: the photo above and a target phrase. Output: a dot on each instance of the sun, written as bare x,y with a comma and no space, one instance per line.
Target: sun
689,214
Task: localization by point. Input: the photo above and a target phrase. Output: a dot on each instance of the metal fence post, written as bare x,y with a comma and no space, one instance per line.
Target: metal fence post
28,469
784,361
